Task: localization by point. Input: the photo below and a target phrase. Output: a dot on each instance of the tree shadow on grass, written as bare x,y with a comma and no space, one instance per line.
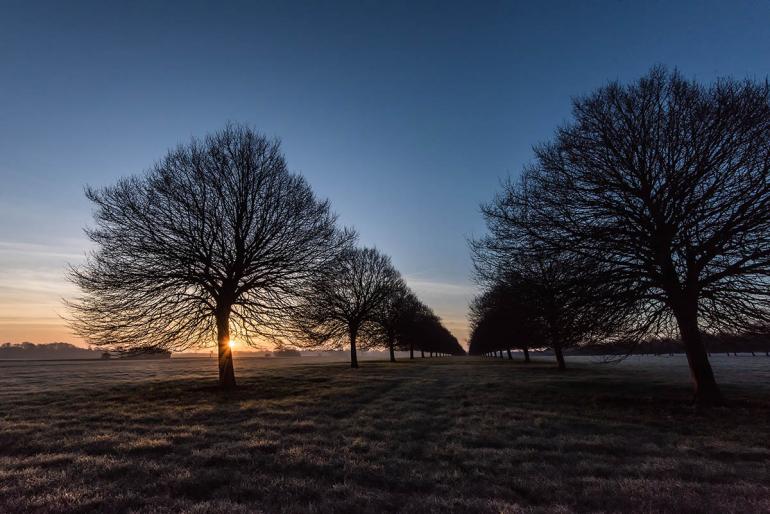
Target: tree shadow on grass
429,436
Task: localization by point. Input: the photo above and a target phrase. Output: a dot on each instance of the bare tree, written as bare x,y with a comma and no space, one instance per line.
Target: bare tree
411,316
546,299
213,243
666,184
391,318
422,330
566,302
345,299
503,317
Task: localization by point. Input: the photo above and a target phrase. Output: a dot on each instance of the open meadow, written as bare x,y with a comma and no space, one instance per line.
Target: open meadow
310,435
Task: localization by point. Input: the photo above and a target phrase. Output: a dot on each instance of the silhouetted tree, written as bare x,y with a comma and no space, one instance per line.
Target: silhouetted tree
392,317
553,300
666,184
504,318
438,340
566,303
215,241
345,299
426,333
415,317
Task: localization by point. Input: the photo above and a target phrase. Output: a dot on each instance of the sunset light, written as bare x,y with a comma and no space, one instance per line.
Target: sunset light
504,256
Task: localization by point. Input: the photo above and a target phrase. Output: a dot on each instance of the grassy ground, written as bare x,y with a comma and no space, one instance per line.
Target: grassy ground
442,434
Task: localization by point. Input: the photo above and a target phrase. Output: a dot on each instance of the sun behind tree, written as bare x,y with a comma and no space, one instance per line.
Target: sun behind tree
212,244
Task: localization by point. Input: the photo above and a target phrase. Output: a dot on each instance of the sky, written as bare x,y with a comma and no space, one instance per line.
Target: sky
406,115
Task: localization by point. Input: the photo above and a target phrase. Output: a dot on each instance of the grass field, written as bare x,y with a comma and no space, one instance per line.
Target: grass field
458,434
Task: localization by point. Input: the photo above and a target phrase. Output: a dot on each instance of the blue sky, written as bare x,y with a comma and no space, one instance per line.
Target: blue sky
405,114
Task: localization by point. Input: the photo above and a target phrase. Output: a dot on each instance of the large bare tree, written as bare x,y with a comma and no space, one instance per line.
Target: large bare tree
213,243
344,301
666,183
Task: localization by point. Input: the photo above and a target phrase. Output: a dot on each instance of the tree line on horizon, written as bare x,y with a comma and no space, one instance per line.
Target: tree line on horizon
219,241
647,215
723,344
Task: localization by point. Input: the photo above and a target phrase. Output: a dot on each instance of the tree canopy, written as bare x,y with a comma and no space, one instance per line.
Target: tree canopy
345,298
214,242
664,186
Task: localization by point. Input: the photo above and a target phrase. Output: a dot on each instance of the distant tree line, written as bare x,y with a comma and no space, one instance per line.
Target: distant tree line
219,241
46,351
647,215
724,344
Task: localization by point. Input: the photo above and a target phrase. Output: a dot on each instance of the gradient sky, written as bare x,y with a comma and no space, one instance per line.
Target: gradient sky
405,114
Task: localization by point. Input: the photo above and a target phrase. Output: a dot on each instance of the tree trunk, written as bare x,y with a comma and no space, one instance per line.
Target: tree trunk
353,356
226,369
411,350
392,351
422,354
559,357
510,357
705,386
526,354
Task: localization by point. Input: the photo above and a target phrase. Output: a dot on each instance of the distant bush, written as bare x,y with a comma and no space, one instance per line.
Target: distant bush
287,353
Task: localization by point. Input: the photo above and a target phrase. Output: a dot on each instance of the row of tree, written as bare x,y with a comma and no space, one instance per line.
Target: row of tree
647,215
218,241
361,300
491,340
